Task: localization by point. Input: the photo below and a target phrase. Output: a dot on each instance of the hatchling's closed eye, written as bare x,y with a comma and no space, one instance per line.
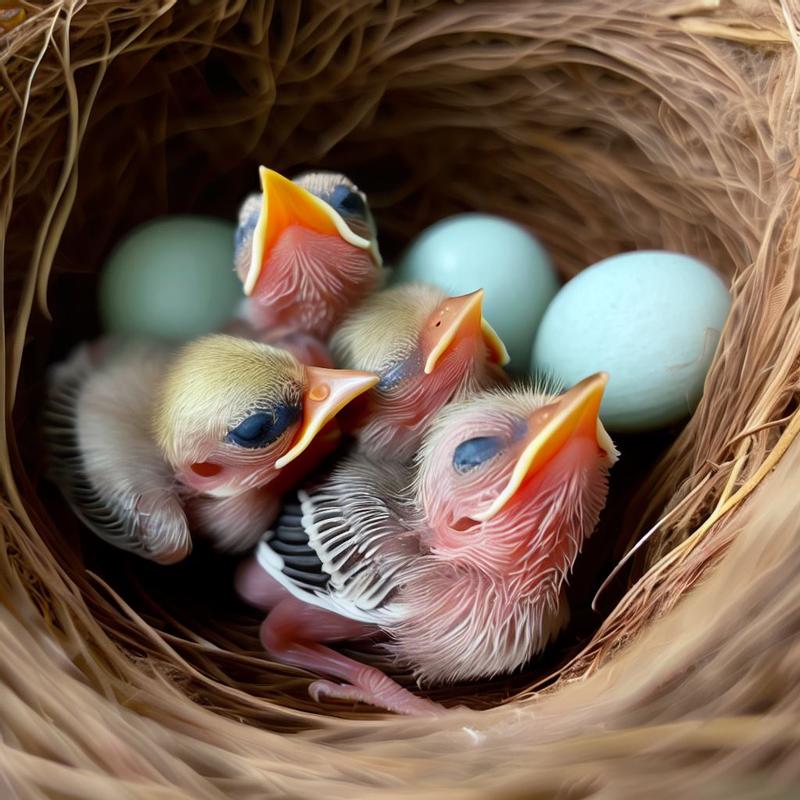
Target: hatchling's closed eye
348,201
263,427
474,452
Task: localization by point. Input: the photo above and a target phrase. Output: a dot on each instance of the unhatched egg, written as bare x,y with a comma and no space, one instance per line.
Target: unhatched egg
651,320
171,278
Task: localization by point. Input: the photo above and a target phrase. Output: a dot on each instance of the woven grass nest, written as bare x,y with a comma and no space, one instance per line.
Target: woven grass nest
605,125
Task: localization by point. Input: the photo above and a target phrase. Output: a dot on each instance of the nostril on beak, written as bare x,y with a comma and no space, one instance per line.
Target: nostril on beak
320,392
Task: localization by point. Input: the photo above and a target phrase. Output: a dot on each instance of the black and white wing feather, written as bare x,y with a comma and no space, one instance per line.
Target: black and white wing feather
103,458
343,543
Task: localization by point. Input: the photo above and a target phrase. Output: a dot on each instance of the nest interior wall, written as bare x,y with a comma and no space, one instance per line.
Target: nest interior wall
604,125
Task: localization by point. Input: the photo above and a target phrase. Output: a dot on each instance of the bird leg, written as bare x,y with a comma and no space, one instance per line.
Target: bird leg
256,587
292,633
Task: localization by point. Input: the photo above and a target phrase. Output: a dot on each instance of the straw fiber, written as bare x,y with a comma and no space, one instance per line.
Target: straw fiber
605,125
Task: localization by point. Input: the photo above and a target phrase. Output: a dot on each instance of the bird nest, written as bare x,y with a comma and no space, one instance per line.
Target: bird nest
605,125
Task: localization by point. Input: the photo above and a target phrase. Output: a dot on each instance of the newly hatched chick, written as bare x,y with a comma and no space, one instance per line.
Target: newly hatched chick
465,571
428,349
148,444
306,252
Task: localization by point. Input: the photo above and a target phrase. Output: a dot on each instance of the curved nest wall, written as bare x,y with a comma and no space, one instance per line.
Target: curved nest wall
603,124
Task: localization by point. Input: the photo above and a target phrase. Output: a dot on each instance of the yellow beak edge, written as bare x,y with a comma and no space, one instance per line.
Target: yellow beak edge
577,410
284,203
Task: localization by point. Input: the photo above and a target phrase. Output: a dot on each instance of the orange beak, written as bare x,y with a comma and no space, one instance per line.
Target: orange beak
455,319
575,413
284,204
328,391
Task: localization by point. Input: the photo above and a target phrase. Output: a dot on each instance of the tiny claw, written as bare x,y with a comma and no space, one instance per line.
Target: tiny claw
400,701
320,689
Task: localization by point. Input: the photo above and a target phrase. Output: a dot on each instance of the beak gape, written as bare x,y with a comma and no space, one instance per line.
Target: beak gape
574,413
284,204
457,317
327,393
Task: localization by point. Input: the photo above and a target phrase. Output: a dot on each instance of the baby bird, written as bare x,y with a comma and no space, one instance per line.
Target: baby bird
427,349
464,572
306,252
148,444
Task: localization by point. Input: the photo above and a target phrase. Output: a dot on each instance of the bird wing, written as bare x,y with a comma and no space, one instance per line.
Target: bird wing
103,458
342,544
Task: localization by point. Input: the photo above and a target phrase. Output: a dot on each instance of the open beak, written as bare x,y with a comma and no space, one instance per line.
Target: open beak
328,392
284,204
459,317
575,413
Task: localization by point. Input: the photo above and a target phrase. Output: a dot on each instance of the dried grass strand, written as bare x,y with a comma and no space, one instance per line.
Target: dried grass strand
604,125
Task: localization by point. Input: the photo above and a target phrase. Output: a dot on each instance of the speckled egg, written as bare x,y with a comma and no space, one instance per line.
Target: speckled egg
171,279
480,251
652,320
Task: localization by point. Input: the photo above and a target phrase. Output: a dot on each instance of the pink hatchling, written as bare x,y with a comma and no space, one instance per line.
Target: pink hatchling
460,560
150,445
428,349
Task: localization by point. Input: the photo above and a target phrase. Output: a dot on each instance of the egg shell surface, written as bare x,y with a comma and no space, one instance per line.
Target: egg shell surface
171,279
652,320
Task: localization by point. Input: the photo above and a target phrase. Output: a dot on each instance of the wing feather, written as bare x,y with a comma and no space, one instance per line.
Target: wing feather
102,457
342,543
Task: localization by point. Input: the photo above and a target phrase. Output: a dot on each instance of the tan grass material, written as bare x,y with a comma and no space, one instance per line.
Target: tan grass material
605,125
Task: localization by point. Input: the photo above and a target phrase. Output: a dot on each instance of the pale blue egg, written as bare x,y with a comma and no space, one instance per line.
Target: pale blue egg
652,320
172,279
479,251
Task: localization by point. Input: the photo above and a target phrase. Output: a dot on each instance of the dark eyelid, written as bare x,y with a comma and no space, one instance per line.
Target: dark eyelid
476,451
348,200
263,427
395,373
245,230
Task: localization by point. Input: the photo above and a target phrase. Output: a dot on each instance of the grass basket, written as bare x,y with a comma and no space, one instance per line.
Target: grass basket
605,125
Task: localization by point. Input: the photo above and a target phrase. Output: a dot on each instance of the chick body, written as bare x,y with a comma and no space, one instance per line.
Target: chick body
306,252
460,559
142,437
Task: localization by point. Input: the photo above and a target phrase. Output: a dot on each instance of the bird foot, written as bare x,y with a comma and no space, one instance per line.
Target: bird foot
389,696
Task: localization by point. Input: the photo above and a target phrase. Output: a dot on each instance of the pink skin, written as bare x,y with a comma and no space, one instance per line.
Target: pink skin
309,281
502,543
293,631
485,597
449,499
487,584
242,517
395,420
257,588
307,349
226,469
